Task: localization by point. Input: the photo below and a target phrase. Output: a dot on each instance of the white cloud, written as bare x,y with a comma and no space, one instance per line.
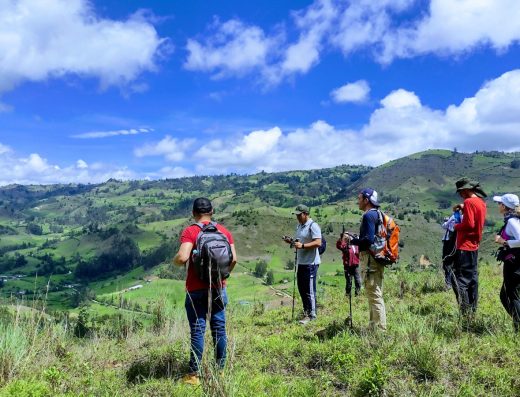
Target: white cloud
171,172
490,120
172,149
4,149
81,164
401,99
313,22
36,169
105,134
53,38
233,47
387,29
351,92
454,27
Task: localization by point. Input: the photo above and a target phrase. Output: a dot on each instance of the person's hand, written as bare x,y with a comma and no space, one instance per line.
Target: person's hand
499,240
298,245
458,207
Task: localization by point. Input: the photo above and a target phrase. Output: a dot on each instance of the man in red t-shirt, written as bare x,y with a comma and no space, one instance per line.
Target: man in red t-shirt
199,293
469,235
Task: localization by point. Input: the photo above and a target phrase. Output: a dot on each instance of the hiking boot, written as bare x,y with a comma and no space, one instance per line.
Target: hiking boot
357,292
191,379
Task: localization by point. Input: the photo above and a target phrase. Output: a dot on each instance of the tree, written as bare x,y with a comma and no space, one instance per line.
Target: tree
515,164
35,229
260,268
270,278
289,265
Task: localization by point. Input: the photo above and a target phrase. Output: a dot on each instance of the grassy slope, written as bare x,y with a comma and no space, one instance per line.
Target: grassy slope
426,351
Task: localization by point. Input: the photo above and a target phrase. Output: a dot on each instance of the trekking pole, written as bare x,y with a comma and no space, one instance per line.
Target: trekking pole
350,299
294,280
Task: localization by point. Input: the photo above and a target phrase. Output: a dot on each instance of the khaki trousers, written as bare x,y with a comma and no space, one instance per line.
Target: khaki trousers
372,274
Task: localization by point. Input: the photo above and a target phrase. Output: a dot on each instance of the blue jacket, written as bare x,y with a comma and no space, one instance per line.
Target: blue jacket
367,230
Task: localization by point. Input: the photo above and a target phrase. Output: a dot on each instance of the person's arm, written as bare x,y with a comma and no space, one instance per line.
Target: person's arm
235,259
449,224
316,243
513,229
316,238
468,220
367,232
183,255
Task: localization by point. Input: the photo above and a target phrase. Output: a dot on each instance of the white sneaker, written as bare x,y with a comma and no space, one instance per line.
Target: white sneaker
306,320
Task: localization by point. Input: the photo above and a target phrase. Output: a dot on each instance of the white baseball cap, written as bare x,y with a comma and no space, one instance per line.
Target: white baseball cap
509,200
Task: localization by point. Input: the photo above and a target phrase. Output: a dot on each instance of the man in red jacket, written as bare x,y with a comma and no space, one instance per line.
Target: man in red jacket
350,254
469,235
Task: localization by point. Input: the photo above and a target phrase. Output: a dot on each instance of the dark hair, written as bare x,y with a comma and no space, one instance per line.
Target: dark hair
202,205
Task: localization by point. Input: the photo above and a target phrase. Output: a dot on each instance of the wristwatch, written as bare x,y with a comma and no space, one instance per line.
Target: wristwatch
303,245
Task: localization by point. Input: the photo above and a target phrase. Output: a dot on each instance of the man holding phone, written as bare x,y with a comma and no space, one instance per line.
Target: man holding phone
306,242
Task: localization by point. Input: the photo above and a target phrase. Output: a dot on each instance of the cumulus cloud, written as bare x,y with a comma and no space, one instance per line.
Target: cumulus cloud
352,92
454,27
105,134
81,164
35,169
50,39
387,29
172,149
232,47
402,125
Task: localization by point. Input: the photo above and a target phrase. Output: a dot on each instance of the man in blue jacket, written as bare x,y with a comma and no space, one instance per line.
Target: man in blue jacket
371,270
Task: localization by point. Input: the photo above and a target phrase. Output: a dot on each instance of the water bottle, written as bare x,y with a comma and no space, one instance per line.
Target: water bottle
457,217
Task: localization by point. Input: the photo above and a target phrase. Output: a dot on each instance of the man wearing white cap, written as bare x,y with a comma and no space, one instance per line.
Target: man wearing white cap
509,253
372,271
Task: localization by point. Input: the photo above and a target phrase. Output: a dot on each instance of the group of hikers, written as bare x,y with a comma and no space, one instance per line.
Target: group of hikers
208,251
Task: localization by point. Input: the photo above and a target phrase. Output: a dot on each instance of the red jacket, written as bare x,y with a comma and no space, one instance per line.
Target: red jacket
350,253
469,231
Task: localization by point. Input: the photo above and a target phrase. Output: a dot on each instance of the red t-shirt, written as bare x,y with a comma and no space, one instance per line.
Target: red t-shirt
189,235
469,231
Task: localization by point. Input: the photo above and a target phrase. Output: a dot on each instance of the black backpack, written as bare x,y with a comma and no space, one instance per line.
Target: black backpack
212,256
323,246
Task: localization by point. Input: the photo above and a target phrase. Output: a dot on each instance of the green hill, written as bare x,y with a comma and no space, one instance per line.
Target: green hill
72,242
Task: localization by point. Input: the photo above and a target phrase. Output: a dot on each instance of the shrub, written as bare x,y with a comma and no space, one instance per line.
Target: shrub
160,363
270,278
260,268
424,361
23,388
14,346
373,380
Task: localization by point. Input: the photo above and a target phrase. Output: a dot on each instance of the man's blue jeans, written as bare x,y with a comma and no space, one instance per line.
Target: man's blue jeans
197,310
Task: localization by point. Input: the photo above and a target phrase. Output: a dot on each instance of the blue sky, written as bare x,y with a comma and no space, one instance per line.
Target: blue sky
152,89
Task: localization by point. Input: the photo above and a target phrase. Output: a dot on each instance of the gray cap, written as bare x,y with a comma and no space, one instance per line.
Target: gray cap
301,208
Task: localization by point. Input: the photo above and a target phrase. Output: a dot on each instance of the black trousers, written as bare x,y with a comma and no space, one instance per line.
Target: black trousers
448,256
352,271
509,294
464,280
306,277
